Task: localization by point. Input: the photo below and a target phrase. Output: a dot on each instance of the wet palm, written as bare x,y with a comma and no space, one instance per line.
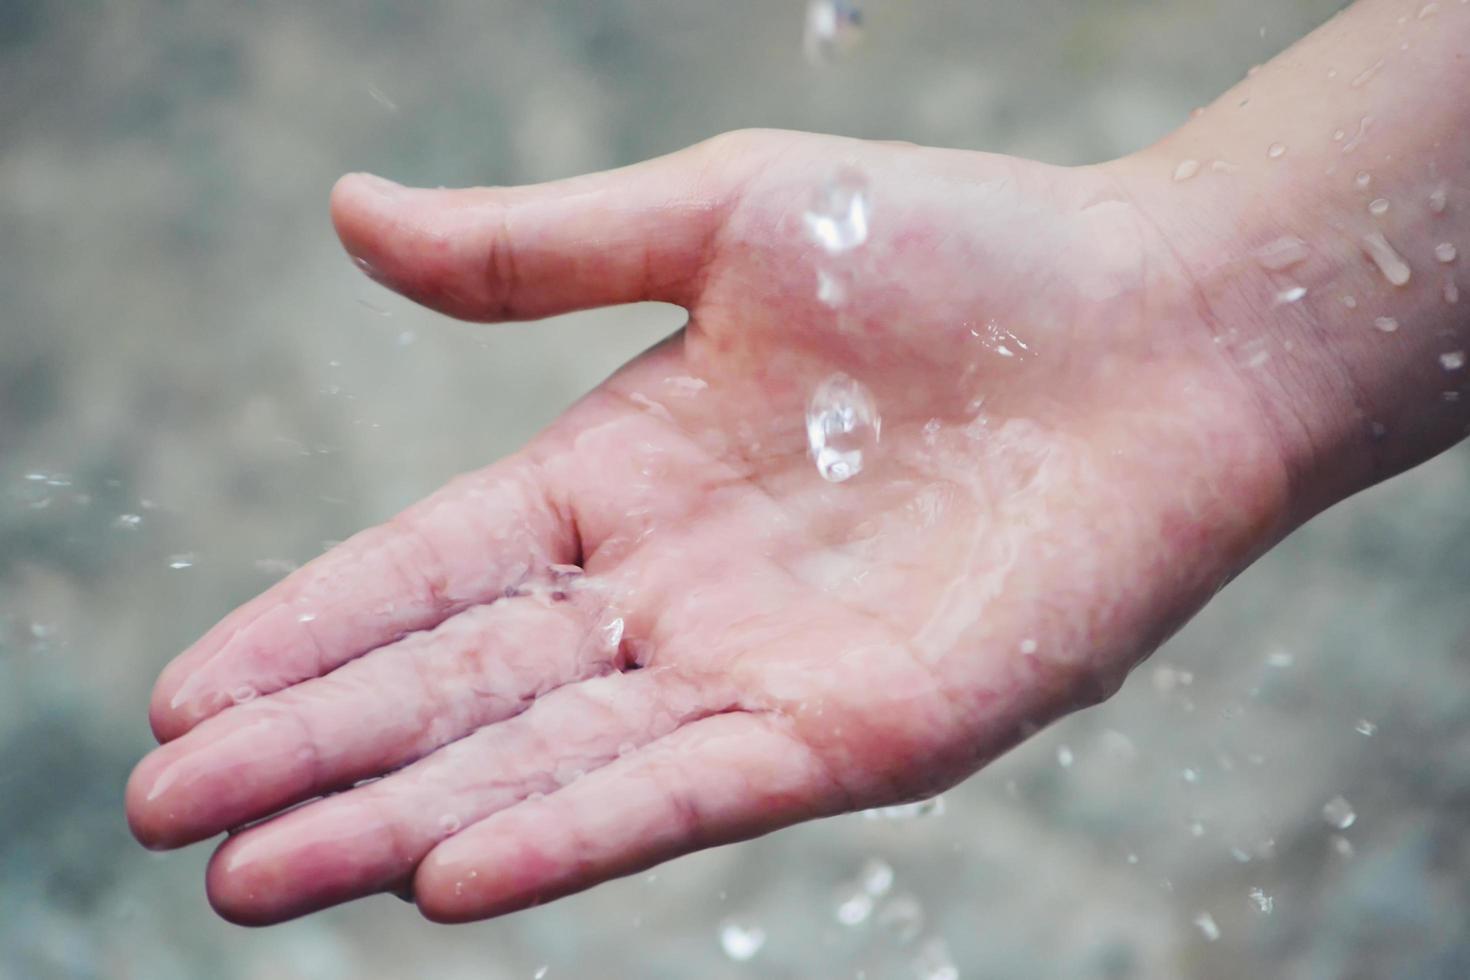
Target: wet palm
658,628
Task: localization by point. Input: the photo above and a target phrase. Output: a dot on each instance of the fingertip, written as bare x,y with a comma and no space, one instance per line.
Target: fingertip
239,890
142,816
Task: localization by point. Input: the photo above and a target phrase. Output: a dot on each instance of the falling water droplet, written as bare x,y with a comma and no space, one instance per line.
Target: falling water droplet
540,973
1428,10
1205,922
1452,360
1342,846
1385,324
1065,757
1276,151
1387,258
1451,291
1186,170
842,425
934,962
1264,903
1292,295
128,522
876,877
381,99
1338,135
1339,813
181,561
1446,252
854,909
833,27
1439,199
902,916
1283,253
740,941
1365,727
1378,206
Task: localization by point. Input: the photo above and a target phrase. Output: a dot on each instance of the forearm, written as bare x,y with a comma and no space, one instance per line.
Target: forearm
1341,168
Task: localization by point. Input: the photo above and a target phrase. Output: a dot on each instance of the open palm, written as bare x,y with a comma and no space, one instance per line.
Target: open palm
658,627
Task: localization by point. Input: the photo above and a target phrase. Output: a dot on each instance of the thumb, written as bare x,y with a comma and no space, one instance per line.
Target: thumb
519,253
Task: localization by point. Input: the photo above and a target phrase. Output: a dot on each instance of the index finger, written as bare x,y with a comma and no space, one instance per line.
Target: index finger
465,545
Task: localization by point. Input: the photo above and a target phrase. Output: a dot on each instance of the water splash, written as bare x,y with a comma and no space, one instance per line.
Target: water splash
842,426
837,218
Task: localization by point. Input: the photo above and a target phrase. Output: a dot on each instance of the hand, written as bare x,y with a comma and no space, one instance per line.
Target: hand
658,628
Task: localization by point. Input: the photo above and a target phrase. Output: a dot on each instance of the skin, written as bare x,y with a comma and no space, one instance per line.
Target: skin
657,629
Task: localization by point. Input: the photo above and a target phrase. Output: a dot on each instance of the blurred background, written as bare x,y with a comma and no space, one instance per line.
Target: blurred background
199,392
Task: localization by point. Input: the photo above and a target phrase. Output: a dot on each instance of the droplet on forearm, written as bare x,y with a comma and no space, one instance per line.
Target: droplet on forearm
1386,258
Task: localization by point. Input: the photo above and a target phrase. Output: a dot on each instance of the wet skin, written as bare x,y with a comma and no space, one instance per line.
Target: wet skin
656,629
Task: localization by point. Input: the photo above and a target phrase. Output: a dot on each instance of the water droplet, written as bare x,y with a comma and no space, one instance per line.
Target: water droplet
244,693
306,617
1186,170
902,916
1264,903
1065,757
1350,302
540,973
855,909
612,634
1028,647
842,424
1452,360
1339,813
1196,828
1364,179
1428,10
1276,151
181,561
381,99
833,27
374,308
406,338
831,291
1451,291
837,218
1439,199
1378,206
1359,136
1366,75
1190,775
1385,324
1446,252
740,941
932,807
1338,135
1205,922
1280,659
876,877
934,962
1292,295
1365,727
1283,253
1342,846
1387,258
128,522
449,824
